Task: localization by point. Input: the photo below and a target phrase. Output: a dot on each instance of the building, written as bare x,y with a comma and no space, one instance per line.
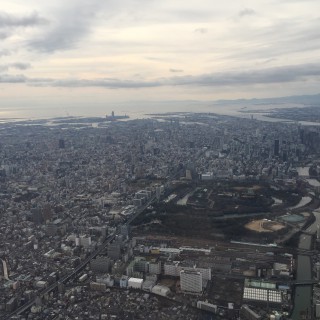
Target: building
141,265
191,281
11,305
155,267
207,306
85,241
36,216
248,314
100,264
114,250
171,269
61,144
98,286
161,290
5,270
205,272
124,282
276,150
106,279
135,283
125,230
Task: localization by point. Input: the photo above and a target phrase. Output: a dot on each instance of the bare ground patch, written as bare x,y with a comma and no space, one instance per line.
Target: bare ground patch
264,226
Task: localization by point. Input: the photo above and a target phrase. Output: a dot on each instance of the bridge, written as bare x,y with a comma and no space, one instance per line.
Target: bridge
303,282
294,226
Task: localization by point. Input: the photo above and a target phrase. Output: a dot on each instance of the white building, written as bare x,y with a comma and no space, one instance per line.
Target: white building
174,269
191,281
161,290
207,176
207,306
135,283
171,269
205,272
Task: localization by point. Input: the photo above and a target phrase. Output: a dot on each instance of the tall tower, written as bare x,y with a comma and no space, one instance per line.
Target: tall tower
276,149
5,269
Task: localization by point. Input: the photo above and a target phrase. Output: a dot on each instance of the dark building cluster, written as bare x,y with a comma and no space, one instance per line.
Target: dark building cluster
69,195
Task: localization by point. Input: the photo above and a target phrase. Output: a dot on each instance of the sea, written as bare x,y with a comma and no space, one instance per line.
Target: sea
143,109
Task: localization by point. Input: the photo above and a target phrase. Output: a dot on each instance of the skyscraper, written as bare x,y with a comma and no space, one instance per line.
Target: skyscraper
276,147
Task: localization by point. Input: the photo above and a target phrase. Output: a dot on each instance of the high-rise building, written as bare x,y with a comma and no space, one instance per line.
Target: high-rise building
85,241
124,230
36,216
11,304
191,281
114,250
61,144
46,212
276,147
5,270
100,264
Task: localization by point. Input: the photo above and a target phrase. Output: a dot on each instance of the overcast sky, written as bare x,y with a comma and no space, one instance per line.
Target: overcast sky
116,51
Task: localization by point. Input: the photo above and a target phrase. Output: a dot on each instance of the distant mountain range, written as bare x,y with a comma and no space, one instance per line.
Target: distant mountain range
313,100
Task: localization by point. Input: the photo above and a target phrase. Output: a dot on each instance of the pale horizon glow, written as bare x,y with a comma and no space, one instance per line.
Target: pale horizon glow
91,53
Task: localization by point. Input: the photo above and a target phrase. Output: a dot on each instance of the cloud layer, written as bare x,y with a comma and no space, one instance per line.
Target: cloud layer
285,74
159,48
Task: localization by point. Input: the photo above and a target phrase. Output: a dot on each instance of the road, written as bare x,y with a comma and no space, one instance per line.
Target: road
81,266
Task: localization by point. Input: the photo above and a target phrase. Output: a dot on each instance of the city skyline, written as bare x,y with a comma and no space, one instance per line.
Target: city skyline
89,54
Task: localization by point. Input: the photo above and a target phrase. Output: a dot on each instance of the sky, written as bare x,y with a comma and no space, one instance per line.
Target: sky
87,53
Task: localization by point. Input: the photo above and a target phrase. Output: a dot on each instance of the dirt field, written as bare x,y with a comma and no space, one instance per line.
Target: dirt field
264,226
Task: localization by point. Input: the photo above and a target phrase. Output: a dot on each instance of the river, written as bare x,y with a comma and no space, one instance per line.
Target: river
303,202
304,171
303,294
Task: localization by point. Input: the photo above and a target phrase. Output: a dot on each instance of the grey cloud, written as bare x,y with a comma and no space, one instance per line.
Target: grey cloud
4,35
7,78
73,22
108,83
20,65
15,65
8,20
268,61
201,30
176,70
247,12
263,76
282,38
4,53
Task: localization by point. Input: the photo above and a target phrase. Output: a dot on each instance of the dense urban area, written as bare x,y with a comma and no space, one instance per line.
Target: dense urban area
178,216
